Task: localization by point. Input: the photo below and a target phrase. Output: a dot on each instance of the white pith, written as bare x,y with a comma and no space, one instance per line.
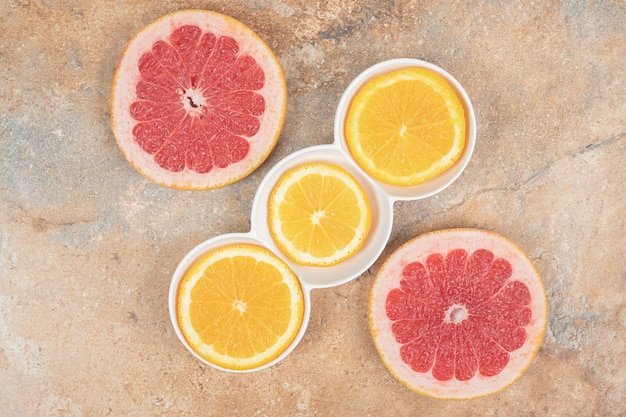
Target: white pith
456,314
193,101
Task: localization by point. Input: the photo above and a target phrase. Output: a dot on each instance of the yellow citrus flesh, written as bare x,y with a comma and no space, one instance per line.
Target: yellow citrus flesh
406,127
318,214
240,306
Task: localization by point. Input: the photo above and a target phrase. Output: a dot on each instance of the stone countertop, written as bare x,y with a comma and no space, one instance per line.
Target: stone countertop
88,246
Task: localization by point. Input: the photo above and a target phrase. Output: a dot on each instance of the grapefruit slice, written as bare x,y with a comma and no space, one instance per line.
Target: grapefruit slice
198,100
458,313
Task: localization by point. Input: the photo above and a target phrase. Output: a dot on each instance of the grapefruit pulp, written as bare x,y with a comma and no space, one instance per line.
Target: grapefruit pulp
457,313
198,100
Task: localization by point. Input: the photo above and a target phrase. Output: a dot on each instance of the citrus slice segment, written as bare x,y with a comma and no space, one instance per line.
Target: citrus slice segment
405,127
318,214
240,306
198,100
458,313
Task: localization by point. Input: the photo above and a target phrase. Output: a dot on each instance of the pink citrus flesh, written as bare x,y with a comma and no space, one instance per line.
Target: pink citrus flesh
198,100
458,313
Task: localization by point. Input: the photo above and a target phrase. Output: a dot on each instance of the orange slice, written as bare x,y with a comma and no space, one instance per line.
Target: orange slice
240,306
406,127
458,314
318,214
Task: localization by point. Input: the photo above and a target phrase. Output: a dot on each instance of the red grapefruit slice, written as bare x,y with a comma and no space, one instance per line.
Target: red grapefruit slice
198,100
458,313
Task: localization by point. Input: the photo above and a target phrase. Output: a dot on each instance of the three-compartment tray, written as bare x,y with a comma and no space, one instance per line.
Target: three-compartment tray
381,197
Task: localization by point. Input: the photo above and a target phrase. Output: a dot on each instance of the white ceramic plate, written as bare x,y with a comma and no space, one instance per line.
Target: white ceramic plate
381,196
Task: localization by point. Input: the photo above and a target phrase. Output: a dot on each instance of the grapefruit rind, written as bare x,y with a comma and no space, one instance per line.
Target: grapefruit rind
127,76
207,352
442,241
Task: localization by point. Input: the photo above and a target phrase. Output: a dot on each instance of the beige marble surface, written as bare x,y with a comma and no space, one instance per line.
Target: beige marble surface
88,246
